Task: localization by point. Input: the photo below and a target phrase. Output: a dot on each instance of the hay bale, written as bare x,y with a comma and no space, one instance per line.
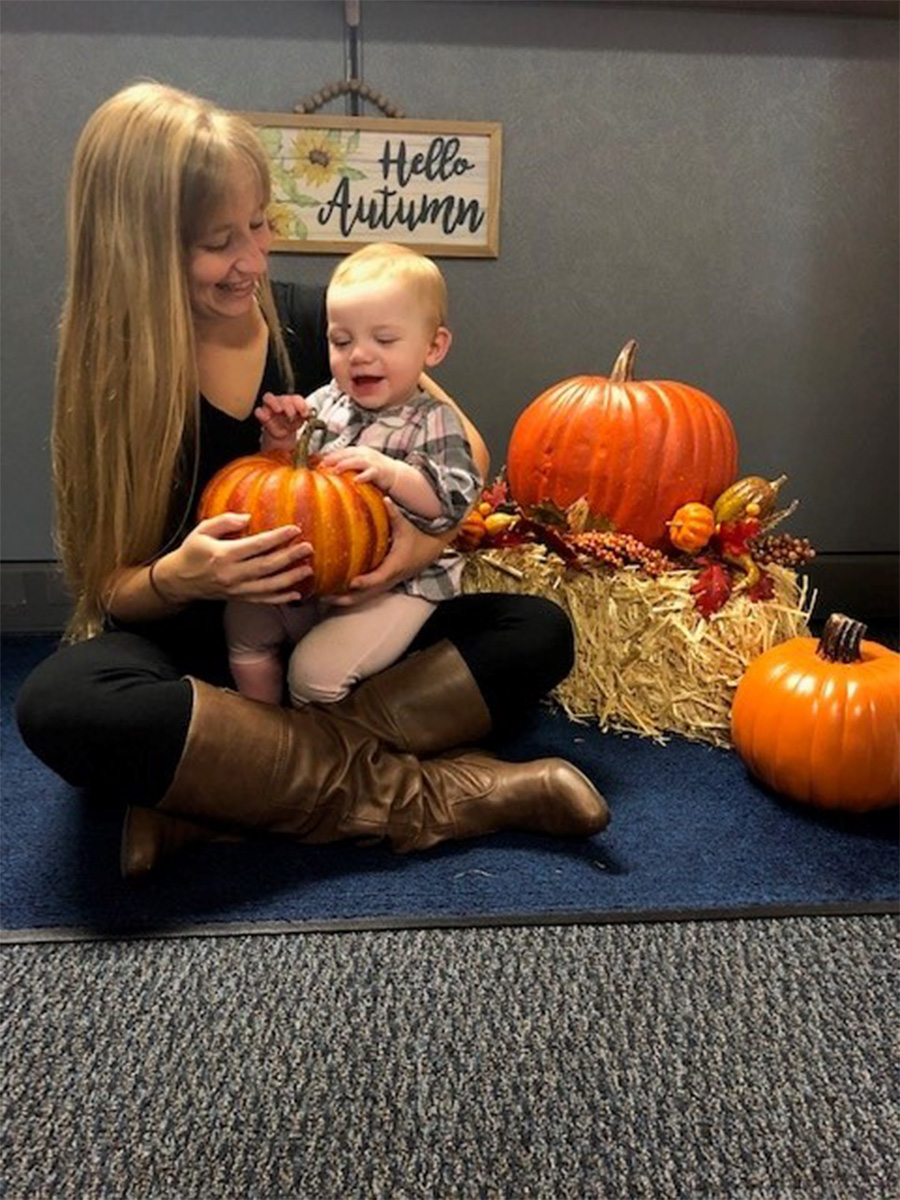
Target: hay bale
646,661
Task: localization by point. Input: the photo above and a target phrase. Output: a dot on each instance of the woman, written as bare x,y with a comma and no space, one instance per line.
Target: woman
171,331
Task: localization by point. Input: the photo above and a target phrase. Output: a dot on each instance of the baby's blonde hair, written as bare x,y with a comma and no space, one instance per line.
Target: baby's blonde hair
151,167
383,261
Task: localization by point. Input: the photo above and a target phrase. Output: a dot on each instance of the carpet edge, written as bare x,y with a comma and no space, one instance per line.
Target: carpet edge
62,934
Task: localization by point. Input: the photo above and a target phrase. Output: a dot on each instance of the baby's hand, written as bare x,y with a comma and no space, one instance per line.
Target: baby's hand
373,466
281,418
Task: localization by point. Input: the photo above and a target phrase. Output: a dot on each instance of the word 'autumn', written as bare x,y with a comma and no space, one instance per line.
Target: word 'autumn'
387,207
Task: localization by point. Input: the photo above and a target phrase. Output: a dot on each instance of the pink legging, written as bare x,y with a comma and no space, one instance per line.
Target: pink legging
334,648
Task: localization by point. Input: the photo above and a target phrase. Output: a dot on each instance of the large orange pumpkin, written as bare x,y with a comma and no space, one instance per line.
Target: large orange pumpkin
820,721
637,450
345,521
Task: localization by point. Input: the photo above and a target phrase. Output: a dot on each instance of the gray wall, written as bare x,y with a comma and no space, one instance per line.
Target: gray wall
721,184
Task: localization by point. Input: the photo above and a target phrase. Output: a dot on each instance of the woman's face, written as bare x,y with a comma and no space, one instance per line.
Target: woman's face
231,254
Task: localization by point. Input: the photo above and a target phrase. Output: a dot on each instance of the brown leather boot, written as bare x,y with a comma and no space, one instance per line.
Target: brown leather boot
149,835
424,704
316,778
430,703
470,794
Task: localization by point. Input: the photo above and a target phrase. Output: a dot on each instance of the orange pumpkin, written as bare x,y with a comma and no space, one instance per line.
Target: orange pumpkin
691,527
636,450
345,521
820,721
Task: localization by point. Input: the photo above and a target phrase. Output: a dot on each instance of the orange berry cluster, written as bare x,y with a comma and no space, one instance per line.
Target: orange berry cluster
620,550
782,550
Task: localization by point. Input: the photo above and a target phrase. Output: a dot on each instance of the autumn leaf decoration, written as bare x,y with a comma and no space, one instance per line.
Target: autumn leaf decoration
763,589
712,587
533,531
731,549
497,495
584,541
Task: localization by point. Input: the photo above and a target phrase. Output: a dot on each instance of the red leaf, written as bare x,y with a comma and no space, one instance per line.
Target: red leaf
711,588
497,494
511,536
733,537
534,531
764,588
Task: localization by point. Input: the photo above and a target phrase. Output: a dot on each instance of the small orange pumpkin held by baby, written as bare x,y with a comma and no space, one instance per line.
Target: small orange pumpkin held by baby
345,521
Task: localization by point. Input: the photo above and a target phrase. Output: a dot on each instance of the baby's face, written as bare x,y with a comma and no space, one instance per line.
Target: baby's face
380,341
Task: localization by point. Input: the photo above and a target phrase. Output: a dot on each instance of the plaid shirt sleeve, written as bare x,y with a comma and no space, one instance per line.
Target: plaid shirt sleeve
440,449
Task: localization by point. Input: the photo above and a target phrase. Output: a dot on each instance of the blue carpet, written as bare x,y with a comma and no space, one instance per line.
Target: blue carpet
692,836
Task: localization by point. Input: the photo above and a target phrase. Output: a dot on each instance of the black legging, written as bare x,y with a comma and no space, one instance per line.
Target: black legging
112,713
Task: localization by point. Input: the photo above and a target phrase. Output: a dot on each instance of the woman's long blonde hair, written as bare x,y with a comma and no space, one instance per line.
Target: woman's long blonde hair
151,166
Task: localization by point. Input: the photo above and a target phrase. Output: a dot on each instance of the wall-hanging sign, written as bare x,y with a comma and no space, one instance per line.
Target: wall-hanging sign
340,182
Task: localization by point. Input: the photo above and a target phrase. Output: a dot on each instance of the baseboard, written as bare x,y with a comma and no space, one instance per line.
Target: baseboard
33,597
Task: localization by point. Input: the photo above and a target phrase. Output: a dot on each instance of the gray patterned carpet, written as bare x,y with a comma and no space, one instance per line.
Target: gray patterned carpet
713,1061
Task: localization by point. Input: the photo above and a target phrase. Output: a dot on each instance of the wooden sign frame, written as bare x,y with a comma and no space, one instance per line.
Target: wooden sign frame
339,183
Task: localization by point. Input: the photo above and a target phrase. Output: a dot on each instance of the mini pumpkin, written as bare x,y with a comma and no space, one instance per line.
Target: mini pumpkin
820,721
691,527
345,521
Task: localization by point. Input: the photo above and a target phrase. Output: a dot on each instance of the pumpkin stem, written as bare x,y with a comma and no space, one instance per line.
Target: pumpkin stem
301,450
840,639
623,368
775,484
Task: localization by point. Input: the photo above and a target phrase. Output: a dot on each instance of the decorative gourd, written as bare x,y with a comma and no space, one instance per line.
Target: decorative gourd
691,527
734,540
472,531
345,521
636,450
739,499
820,721
495,523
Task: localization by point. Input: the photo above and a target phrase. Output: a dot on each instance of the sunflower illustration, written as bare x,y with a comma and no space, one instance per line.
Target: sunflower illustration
319,155
281,219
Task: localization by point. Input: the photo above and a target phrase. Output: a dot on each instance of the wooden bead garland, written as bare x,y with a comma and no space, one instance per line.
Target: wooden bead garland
343,87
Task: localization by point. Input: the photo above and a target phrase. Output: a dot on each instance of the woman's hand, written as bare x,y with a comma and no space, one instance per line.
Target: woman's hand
213,563
411,551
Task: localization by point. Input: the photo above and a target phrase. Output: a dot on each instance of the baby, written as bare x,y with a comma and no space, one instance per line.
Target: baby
386,310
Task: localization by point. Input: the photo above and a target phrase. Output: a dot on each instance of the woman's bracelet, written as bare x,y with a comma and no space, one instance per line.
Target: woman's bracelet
158,592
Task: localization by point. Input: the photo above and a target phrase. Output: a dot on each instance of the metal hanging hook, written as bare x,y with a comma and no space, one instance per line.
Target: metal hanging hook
352,52
351,85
